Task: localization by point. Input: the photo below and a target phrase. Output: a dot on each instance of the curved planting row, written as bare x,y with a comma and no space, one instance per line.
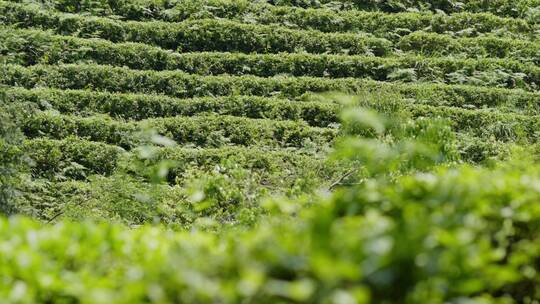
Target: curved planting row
176,10
217,131
30,47
140,106
429,44
505,126
513,8
53,156
316,112
205,130
226,35
198,35
390,26
485,124
179,84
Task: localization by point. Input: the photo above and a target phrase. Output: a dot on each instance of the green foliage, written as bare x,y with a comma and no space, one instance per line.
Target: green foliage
12,161
214,131
197,35
183,151
511,8
179,10
30,47
71,158
225,35
390,26
207,130
143,106
56,158
182,85
449,235
378,145
429,44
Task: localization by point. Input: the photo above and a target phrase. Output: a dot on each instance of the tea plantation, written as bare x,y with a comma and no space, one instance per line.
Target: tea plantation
270,151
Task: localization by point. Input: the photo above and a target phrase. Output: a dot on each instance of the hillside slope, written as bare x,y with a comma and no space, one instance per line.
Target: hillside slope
190,114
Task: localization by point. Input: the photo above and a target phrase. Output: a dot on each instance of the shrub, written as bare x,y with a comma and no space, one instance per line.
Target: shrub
12,161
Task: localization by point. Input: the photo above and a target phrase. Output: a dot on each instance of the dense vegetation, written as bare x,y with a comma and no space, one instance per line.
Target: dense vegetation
270,151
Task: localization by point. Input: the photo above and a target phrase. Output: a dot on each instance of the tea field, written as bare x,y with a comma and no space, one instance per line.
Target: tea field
271,151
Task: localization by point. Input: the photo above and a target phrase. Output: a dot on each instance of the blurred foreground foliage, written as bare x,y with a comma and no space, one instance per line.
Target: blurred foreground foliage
461,235
407,223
